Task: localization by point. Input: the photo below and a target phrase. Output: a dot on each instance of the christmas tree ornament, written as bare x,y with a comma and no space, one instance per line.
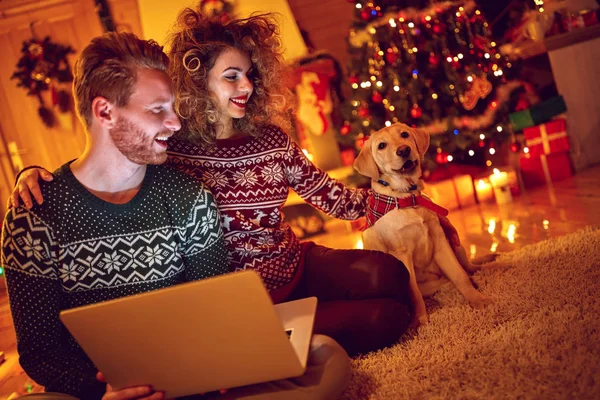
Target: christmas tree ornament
515,147
480,88
360,142
441,157
416,111
377,97
434,59
364,111
438,28
345,129
391,56
353,79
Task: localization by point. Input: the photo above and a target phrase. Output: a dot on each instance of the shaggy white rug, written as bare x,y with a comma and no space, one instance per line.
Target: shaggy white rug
539,340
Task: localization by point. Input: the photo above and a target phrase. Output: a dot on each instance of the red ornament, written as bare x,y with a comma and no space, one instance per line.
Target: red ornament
480,42
353,79
360,142
438,28
345,129
391,56
441,157
364,112
522,104
515,147
416,111
434,60
377,97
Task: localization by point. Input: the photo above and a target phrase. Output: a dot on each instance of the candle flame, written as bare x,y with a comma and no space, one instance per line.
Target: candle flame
492,226
511,233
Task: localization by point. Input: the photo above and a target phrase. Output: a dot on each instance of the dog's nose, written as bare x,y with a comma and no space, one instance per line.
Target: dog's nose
403,151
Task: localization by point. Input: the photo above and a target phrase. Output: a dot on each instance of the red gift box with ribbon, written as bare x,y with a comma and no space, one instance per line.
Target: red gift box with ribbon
545,168
547,138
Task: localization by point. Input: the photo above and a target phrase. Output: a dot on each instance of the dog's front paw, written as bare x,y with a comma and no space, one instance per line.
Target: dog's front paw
478,300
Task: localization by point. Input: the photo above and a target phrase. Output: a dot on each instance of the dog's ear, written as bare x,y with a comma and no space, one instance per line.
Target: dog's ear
365,163
422,141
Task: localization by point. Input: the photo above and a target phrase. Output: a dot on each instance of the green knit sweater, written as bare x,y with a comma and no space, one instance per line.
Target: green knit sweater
76,249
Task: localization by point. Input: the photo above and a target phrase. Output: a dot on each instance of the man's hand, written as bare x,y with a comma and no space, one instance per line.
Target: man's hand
28,185
134,392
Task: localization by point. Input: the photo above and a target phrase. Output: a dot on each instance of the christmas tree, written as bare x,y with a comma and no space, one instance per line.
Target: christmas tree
431,65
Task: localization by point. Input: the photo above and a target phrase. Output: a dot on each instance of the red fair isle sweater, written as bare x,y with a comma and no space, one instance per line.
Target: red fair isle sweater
250,179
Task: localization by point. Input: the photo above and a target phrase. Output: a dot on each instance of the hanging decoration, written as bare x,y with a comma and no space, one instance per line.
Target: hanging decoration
42,66
217,8
480,88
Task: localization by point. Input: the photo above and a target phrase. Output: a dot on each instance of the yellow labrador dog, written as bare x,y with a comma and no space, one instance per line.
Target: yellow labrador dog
403,222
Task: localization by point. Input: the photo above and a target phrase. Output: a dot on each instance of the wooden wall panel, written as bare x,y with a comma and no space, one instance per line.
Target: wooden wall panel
327,23
126,16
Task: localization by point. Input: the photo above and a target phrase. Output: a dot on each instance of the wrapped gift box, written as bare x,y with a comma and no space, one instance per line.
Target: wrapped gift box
538,113
547,138
453,193
545,168
443,193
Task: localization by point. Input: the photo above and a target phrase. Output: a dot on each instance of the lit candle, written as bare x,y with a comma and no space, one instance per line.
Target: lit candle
499,178
484,190
501,186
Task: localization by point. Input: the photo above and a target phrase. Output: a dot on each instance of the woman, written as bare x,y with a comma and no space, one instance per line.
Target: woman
230,93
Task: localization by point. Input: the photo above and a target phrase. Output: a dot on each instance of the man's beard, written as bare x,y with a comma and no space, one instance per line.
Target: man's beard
135,144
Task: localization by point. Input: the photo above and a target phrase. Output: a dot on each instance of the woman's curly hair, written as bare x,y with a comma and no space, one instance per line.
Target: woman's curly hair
194,47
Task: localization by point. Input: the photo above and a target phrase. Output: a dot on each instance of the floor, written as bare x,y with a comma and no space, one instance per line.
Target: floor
536,214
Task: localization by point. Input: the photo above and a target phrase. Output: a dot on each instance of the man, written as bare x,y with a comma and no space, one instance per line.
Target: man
76,247
113,223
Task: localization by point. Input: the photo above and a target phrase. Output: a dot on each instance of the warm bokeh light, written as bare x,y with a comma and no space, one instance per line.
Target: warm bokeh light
359,244
492,226
308,155
545,223
510,235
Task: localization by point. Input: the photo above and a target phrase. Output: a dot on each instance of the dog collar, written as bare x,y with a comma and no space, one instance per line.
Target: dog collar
379,204
410,189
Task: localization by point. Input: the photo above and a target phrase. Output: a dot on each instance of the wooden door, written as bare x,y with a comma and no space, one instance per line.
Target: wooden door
25,139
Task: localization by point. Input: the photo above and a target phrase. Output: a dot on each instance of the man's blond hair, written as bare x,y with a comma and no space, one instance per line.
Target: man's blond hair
108,67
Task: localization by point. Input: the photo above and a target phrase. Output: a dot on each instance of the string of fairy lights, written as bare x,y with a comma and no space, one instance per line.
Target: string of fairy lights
434,67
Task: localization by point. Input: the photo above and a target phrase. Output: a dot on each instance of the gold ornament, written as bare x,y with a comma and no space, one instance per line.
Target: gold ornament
480,88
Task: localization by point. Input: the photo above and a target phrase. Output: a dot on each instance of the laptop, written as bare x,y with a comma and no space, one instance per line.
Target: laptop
196,337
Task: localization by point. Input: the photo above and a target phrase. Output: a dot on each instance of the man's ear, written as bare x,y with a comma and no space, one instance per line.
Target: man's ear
365,163
422,141
103,111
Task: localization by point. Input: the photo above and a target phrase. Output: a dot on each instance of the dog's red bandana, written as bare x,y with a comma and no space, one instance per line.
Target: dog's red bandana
379,204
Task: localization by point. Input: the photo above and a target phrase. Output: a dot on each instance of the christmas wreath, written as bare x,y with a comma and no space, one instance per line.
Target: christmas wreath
41,66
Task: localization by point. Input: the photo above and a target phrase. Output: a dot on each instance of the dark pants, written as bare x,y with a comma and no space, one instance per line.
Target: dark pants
363,296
